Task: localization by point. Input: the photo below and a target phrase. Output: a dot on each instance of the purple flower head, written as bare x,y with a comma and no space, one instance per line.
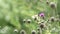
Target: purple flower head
41,14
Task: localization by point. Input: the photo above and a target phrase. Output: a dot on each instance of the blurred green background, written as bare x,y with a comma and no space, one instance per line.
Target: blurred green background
12,13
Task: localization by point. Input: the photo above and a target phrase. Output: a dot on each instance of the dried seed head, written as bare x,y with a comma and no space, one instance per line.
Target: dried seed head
35,17
42,22
57,19
24,20
52,19
40,0
38,22
29,20
47,2
38,29
15,30
52,5
33,32
22,32
42,25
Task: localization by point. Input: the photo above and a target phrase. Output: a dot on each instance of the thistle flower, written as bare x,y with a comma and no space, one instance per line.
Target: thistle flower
33,32
22,32
41,15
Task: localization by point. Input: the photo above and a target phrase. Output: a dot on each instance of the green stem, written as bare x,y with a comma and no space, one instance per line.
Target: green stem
58,7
